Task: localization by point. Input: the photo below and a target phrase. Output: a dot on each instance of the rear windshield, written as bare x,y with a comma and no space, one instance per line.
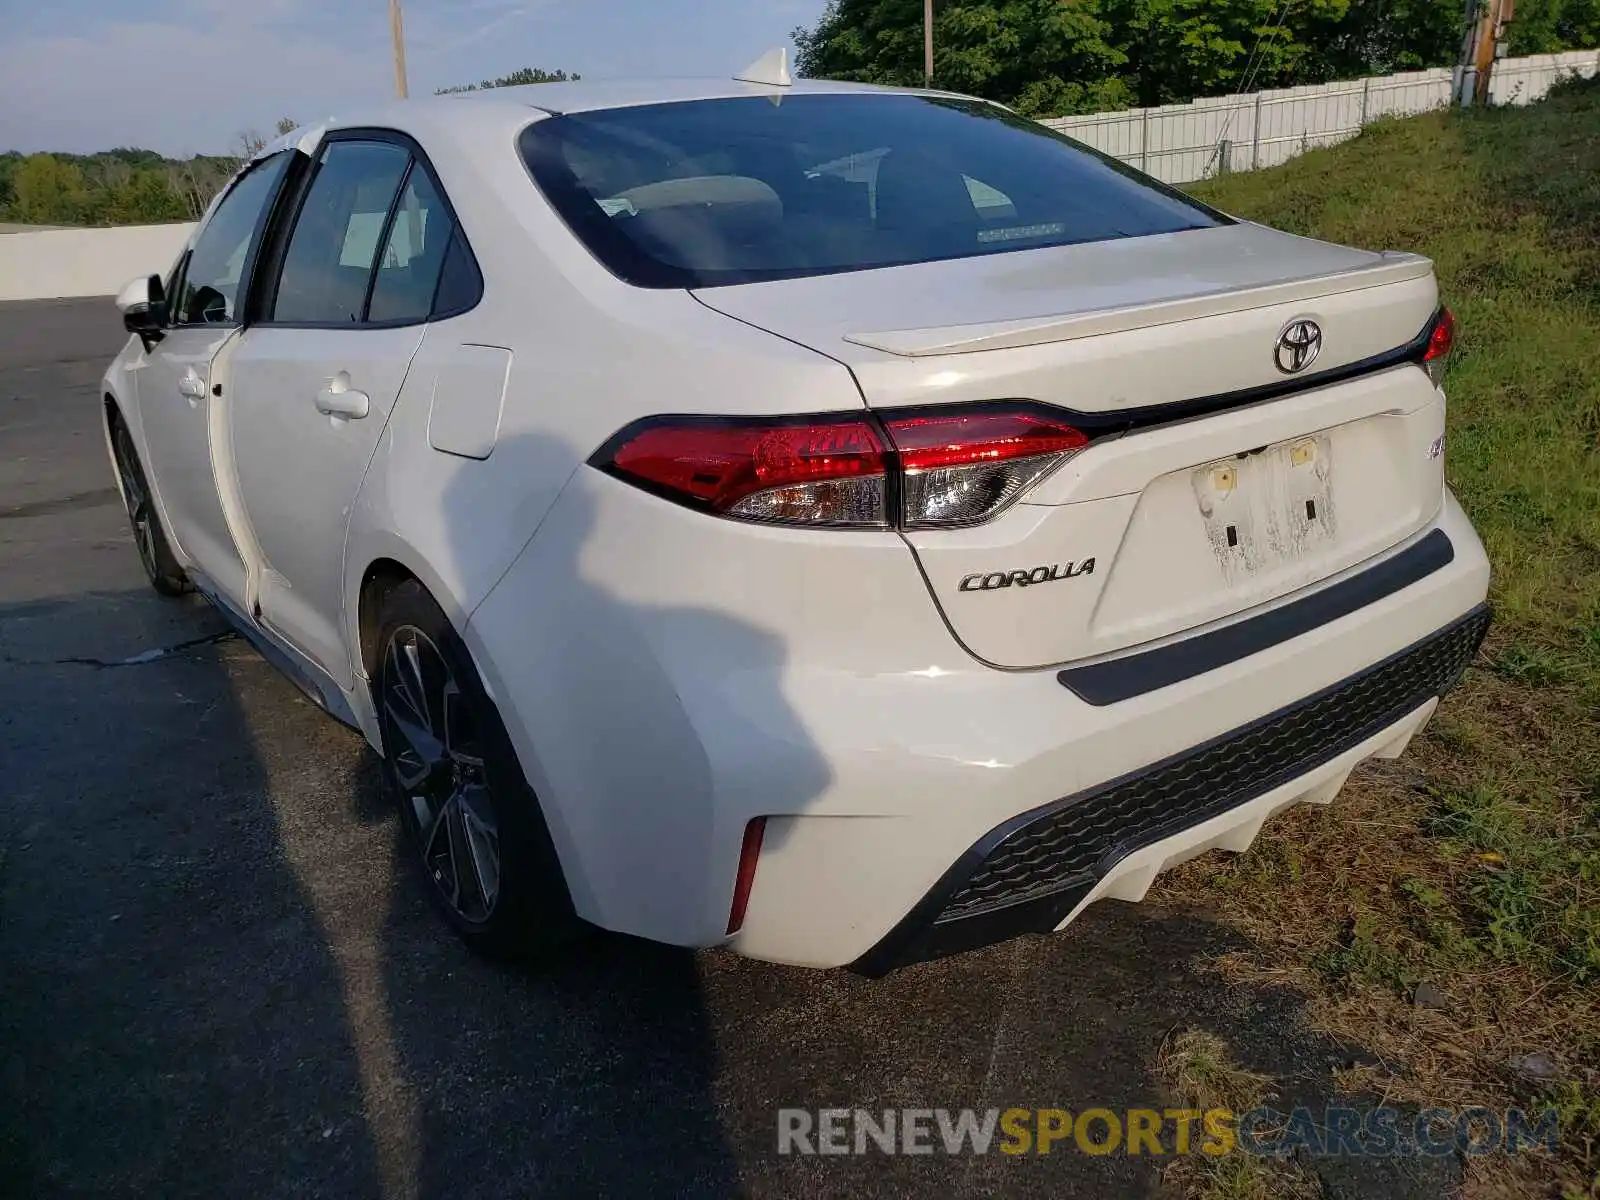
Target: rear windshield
709,192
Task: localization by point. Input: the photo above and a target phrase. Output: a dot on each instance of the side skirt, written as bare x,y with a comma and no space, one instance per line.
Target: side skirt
317,686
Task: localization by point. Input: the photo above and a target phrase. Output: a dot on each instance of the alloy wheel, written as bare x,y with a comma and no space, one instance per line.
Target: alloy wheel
436,756
136,497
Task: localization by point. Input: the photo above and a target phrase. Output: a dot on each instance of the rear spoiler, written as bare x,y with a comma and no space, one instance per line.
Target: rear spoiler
1391,268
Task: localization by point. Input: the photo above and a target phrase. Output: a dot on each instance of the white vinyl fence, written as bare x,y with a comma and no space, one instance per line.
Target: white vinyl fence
1179,143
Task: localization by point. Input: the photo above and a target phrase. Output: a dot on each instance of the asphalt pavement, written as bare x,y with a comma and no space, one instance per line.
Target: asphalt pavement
219,978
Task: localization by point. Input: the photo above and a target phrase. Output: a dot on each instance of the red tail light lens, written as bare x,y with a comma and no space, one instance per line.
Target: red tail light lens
962,468
953,468
749,856
808,472
1441,341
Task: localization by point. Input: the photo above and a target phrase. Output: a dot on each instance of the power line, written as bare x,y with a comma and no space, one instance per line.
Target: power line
1251,76
1252,70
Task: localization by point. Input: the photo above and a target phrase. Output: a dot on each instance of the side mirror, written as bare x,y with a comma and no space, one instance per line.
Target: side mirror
143,303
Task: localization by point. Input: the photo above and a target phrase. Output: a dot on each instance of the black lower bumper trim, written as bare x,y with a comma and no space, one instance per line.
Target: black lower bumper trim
1028,874
1135,674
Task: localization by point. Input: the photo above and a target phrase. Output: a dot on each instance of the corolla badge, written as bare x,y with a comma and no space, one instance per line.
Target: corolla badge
1050,573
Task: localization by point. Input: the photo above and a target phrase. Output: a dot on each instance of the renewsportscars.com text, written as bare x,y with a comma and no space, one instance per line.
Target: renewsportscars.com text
1331,1131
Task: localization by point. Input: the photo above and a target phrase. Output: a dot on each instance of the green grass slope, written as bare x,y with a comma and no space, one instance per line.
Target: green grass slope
1473,864
1507,204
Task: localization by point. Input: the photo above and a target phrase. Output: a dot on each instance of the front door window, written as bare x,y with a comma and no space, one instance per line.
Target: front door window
209,293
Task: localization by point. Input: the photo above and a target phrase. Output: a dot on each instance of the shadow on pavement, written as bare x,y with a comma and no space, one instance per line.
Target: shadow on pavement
172,1020
220,975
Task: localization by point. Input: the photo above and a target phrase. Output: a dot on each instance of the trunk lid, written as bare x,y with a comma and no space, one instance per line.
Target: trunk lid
1161,525
1103,326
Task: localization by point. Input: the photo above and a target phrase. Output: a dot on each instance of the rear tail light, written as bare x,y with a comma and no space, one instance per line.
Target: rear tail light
1441,341
924,471
814,471
963,468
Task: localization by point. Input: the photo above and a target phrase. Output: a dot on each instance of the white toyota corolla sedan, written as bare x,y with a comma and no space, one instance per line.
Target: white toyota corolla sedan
846,525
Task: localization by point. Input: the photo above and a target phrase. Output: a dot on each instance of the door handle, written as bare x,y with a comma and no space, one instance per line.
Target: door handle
339,399
191,385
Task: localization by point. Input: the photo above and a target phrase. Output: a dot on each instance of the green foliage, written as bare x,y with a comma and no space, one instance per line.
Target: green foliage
1380,37
125,186
520,78
1180,49
47,190
1553,25
1527,897
1039,55
1052,57
1368,953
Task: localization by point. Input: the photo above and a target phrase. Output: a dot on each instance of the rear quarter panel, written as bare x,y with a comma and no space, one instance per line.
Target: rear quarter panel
588,355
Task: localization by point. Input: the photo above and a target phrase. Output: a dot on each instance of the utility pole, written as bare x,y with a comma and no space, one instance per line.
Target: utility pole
397,30
1499,16
927,42
1480,48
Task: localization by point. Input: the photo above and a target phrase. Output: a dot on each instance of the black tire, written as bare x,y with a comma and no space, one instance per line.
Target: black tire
155,551
471,820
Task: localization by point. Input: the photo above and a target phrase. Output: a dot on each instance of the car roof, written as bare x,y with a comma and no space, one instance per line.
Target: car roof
468,111
586,95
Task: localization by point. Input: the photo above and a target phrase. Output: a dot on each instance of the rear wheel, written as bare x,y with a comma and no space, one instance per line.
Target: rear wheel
472,821
155,552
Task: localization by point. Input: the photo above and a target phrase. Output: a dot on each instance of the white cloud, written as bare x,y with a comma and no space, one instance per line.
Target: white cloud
443,36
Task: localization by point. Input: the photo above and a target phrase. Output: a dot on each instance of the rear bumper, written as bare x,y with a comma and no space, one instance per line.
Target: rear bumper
668,678
941,773
1037,871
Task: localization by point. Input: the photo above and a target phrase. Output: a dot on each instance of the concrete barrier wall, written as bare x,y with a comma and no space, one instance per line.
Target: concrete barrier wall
85,262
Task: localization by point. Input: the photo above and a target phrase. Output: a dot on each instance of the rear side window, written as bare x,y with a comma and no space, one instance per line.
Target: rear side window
460,284
709,192
413,255
329,261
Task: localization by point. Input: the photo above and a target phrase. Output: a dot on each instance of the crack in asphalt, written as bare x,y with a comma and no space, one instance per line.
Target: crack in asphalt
98,498
137,660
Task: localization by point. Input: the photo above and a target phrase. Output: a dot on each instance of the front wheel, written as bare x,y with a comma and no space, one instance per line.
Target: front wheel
473,822
161,566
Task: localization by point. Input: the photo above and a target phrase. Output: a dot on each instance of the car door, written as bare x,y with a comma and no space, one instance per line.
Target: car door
315,378
179,384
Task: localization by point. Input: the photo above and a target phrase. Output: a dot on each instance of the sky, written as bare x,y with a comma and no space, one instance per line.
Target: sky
188,76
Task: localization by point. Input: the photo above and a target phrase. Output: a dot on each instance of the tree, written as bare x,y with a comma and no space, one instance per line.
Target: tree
1050,57
145,197
126,185
47,190
520,78
8,166
1038,55
1180,49
1380,37
1549,26
252,143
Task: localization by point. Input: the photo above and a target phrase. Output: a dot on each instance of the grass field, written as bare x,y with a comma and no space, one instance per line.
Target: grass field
1472,865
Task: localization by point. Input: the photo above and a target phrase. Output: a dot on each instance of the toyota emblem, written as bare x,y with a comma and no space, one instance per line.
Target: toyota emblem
1298,346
